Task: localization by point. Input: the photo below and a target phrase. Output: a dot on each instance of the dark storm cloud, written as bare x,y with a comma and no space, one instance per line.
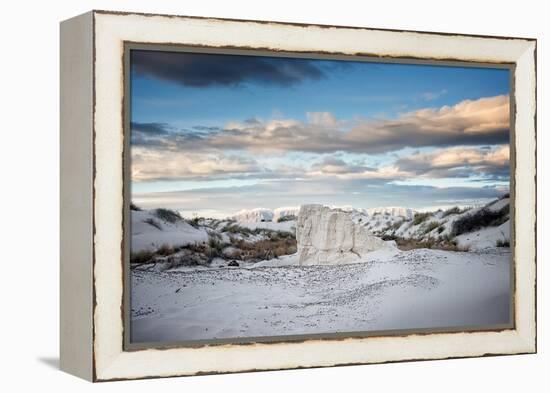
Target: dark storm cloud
201,70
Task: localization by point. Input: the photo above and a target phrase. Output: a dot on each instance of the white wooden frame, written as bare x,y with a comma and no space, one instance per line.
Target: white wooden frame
92,143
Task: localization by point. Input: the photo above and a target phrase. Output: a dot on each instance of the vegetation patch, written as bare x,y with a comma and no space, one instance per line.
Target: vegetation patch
194,222
168,215
153,223
237,229
419,218
480,219
431,226
141,257
290,217
503,243
264,249
436,244
452,210
395,226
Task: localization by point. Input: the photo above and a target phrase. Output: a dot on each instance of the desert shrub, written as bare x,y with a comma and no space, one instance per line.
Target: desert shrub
440,229
165,249
282,235
194,222
135,207
215,247
214,235
441,244
479,219
214,242
290,217
168,215
504,216
396,225
419,218
237,229
234,228
154,223
141,257
452,210
411,244
503,243
264,249
196,247
431,226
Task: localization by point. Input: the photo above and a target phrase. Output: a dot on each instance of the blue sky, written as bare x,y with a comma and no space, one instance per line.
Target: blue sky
272,132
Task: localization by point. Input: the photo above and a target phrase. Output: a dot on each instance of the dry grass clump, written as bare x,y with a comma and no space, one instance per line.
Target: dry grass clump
168,215
503,243
290,217
452,210
141,257
431,226
419,218
154,223
264,249
435,244
480,219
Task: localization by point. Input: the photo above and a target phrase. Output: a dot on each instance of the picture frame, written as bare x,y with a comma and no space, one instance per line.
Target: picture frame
94,269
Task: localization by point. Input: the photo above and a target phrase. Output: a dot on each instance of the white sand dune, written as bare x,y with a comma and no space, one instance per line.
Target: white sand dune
398,290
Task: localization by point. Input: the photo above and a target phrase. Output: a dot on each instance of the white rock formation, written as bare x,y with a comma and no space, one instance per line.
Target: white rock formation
393,211
328,236
282,212
259,214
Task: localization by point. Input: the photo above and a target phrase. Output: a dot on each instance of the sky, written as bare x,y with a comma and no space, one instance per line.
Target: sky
212,134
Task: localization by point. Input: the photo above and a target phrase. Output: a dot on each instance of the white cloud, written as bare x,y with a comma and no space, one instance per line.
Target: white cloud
173,165
165,154
323,119
433,95
459,162
470,122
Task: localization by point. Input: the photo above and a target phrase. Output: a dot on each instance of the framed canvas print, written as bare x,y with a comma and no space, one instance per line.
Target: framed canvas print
246,195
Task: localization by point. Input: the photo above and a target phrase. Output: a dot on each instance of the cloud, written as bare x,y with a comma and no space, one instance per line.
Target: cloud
333,165
484,121
324,119
148,165
151,128
359,193
337,168
471,140
433,95
164,136
385,173
455,162
470,122
201,70
459,162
